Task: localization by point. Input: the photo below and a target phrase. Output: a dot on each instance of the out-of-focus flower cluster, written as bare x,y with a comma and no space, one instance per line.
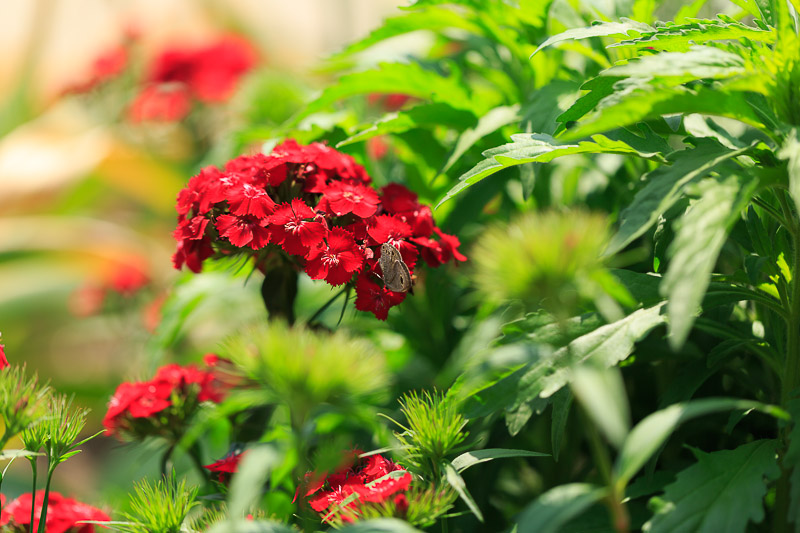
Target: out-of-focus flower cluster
180,76
176,78
124,280
63,514
163,405
372,480
314,207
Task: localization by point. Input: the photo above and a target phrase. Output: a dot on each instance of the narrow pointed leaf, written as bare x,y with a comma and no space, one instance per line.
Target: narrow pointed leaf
680,37
423,115
468,459
601,393
626,28
553,509
541,148
699,237
457,482
665,186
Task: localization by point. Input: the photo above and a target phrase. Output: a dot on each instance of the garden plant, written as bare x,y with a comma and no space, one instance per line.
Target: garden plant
541,274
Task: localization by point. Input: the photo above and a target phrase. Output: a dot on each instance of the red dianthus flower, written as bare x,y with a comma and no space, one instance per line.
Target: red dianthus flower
336,260
63,514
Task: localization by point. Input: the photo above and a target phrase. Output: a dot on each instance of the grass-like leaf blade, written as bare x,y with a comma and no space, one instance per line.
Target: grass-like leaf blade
457,482
553,509
468,459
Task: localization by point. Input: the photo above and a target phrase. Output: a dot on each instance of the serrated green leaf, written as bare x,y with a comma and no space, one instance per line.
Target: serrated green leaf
649,434
457,482
558,506
550,371
542,148
626,28
601,393
699,237
665,186
681,37
638,99
407,78
699,62
434,19
423,115
468,459
723,491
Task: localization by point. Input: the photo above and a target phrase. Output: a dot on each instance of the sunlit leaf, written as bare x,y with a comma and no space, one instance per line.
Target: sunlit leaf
558,506
468,459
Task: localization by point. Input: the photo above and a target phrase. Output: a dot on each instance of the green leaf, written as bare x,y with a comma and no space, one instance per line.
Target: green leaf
435,19
255,526
407,78
468,459
638,99
626,28
250,477
699,237
6,455
698,62
723,491
419,116
790,151
457,482
680,37
654,430
558,506
601,393
562,402
550,371
665,186
542,148
488,123
380,525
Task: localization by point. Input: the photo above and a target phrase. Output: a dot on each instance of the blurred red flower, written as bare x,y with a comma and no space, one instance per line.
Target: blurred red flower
63,514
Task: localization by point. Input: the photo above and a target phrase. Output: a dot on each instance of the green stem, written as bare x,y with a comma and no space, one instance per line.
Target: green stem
791,370
33,489
197,458
45,500
619,513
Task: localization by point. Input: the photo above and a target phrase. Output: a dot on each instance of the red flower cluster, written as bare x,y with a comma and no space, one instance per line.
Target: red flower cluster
374,479
315,206
177,76
225,467
3,360
162,405
124,279
105,67
63,514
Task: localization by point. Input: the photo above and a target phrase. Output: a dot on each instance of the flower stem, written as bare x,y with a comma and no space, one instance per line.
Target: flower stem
619,513
45,500
33,489
279,291
791,369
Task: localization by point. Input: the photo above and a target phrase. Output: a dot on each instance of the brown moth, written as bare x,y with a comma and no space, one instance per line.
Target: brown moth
396,276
